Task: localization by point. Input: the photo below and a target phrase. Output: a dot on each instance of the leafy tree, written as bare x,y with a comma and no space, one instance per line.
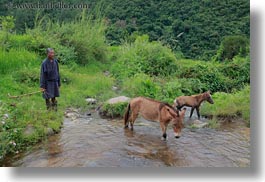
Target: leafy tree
232,46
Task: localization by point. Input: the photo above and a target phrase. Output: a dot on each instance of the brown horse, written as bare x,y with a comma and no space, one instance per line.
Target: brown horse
193,101
153,110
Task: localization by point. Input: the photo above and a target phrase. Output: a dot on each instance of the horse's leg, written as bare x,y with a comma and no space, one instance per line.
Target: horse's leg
164,130
179,107
133,118
191,112
127,116
198,112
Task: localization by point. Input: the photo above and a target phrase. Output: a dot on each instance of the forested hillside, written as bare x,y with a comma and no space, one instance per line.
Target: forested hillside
193,28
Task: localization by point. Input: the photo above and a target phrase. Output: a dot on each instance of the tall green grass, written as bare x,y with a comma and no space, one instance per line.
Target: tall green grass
143,56
14,59
81,41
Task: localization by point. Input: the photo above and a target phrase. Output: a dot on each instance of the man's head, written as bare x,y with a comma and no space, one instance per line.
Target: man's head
50,53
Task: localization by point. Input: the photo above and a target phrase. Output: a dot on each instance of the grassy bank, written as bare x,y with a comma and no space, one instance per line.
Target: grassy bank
236,104
25,121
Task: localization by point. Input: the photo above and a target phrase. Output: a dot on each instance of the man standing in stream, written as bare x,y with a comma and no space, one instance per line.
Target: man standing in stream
50,80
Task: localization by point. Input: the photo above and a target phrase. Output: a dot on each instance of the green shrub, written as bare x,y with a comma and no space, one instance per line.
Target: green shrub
82,41
213,123
214,76
208,75
20,41
232,46
142,56
169,91
191,86
141,85
114,110
28,76
12,60
238,71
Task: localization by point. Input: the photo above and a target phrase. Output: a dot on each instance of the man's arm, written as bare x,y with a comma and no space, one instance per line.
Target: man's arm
59,77
42,79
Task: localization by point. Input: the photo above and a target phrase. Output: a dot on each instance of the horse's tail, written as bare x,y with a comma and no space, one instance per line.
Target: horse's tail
126,115
175,104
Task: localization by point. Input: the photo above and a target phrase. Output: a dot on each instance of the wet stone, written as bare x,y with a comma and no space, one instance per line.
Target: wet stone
49,131
199,124
29,130
91,101
119,99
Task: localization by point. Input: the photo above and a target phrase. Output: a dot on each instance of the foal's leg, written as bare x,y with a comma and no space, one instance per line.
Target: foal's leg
198,112
191,112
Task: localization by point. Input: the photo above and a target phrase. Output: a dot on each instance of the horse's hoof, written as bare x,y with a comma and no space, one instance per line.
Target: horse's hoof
125,127
164,139
177,136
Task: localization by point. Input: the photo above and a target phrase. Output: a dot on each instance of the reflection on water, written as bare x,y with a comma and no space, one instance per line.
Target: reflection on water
93,142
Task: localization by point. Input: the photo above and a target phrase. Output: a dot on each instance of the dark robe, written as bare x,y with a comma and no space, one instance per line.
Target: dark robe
50,78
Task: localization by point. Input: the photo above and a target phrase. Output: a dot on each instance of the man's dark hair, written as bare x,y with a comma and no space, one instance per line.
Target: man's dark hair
49,50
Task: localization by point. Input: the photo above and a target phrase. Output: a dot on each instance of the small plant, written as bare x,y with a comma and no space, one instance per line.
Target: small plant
192,127
114,110
7,24
213,123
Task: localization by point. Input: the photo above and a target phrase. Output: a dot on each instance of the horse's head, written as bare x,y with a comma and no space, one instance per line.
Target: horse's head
178,123
208,97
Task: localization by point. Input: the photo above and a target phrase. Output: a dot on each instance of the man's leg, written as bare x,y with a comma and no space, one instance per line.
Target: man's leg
48,104
54,104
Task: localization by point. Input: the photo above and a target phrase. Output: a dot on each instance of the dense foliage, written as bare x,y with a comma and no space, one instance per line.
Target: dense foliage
196,28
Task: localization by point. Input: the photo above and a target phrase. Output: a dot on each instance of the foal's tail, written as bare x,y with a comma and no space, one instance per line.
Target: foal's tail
126,115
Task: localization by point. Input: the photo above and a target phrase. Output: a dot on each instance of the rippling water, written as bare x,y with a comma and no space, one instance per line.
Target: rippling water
94,142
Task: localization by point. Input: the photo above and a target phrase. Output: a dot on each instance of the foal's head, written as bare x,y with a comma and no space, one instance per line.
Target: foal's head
178,123
208,97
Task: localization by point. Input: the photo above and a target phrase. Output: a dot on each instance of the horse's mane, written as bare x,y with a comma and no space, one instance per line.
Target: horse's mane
147,98
200,94
163,104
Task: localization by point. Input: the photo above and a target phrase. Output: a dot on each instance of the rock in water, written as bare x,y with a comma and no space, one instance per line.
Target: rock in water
49,131
114,107
114,88
29,130
119,99
72,113
199,124
91,101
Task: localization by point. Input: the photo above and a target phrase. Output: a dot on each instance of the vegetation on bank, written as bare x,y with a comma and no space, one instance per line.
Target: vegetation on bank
25,121
235,104
90,68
